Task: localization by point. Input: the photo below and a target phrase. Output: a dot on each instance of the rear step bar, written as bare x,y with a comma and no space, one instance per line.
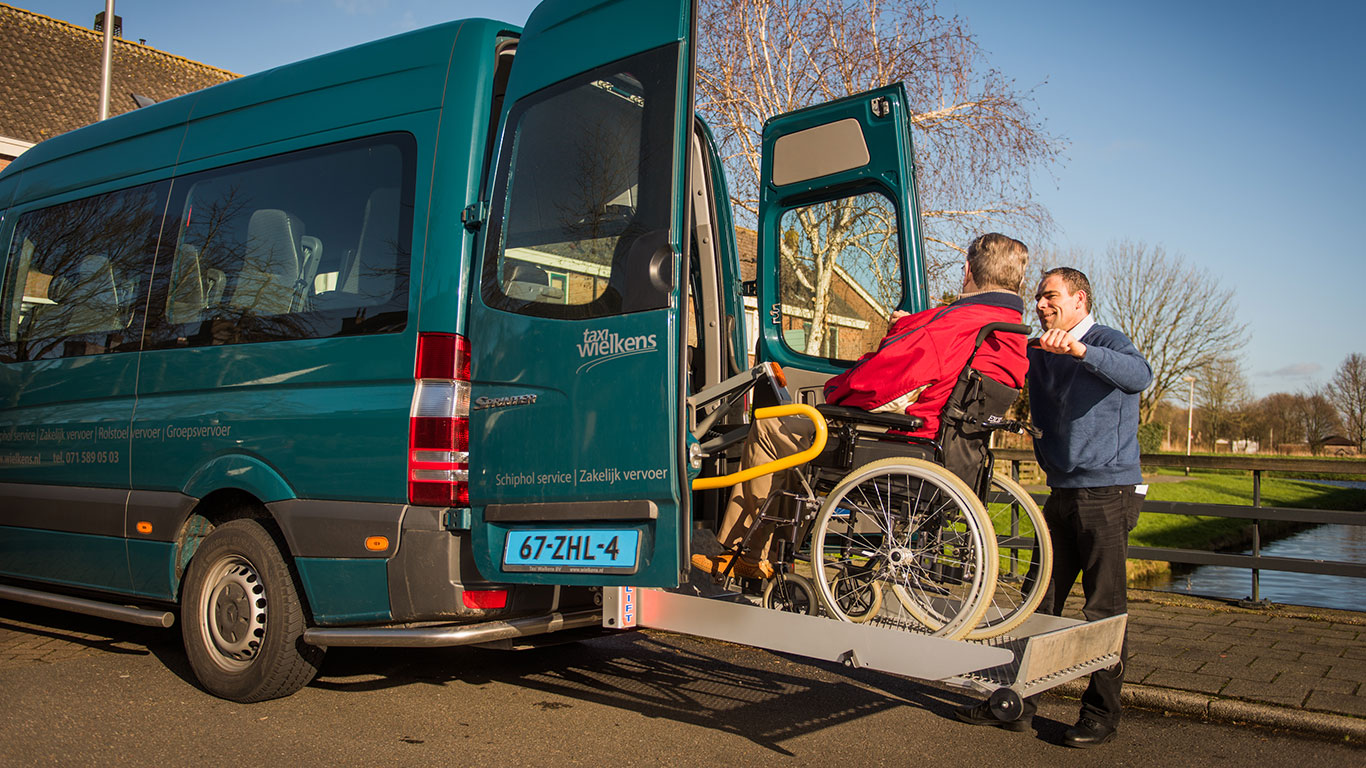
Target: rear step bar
451,634
146,617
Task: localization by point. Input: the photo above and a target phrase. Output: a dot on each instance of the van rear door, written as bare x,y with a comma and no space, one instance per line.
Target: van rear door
839,234
576,475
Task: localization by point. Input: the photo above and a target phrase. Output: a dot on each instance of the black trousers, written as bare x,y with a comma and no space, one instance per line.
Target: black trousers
1089,528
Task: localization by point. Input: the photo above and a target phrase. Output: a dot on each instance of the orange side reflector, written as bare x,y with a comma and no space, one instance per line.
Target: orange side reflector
144,526
377,543
777,372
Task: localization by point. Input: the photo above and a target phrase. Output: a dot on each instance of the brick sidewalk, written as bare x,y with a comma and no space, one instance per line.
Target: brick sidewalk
1284,656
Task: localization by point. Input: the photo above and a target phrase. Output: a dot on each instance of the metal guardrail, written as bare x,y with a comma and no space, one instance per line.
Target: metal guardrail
1257,513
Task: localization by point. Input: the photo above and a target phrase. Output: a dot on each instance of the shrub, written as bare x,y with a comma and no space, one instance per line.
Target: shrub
1150,437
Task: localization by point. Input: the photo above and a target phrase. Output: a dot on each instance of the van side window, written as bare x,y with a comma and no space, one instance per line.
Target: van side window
311,244
77,276
586,184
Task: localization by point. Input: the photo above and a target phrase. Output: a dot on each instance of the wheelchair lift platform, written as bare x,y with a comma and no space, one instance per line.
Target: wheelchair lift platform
1044,652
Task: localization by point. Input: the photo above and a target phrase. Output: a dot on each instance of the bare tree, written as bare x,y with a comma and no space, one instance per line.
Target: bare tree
1317,417
1222,391
1177,315
977,137
1272,420
1347,391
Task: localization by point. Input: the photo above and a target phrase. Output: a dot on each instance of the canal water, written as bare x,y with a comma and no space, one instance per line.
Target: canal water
1344,543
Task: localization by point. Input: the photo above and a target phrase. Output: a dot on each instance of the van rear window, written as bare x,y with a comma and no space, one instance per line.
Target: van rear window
587,181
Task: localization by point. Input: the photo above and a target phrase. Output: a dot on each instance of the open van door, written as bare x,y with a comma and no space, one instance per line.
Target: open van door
839,234
577,473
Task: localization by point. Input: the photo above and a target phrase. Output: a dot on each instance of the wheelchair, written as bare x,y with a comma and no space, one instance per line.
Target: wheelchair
877,526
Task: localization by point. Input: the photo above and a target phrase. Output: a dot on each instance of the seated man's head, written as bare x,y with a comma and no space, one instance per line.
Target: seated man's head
995,263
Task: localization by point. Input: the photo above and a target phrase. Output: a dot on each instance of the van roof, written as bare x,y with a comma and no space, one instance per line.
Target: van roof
159,125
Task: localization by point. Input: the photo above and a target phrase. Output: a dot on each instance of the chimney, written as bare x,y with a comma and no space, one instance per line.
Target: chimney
118,24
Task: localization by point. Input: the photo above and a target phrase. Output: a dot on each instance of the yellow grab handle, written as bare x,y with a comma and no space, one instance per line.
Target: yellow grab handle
777,465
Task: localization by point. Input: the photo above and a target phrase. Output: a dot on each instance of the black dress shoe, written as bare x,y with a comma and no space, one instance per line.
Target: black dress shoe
980,714
1088,733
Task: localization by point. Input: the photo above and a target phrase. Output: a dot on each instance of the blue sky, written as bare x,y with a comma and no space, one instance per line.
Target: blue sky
1229,132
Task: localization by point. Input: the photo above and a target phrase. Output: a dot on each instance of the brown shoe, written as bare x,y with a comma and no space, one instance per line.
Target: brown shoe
713,564
760,570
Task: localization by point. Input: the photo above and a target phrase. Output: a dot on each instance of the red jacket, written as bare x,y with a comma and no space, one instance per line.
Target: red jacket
931,348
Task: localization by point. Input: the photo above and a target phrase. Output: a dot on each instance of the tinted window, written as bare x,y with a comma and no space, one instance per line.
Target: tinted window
587,185
312,244
77,275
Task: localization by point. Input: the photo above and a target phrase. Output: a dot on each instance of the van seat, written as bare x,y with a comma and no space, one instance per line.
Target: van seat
270,271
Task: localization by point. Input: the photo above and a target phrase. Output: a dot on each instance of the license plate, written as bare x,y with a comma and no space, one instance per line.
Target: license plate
572,551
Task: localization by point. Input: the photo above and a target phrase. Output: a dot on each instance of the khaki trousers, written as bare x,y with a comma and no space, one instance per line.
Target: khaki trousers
768,439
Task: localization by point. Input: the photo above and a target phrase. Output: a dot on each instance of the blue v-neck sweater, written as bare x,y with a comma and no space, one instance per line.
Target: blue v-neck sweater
1088,411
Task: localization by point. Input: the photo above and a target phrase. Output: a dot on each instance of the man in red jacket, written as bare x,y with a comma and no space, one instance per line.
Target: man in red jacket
913,371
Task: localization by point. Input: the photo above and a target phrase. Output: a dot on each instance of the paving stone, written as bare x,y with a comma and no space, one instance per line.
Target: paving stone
1316,683
1284,666
1288,695
1347,669
1354,652
1235,637
1329,633
1331,659
1187,681
1236,670
1287,654
1337,702
1161,661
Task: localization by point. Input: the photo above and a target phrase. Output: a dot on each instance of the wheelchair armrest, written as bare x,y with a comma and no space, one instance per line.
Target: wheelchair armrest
860,416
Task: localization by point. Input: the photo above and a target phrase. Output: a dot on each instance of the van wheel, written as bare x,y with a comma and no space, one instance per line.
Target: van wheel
241,618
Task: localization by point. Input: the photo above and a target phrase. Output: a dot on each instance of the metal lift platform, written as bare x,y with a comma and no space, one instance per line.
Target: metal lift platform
1044,652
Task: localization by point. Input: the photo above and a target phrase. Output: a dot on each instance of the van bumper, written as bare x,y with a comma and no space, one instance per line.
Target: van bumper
433,567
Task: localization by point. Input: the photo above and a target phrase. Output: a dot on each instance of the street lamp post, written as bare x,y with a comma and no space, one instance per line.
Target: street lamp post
1190,419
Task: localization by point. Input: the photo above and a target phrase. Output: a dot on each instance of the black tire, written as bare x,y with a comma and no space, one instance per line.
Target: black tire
241,618
792,593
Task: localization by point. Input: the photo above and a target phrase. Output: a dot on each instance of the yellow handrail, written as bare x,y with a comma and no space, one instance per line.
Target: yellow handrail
777,465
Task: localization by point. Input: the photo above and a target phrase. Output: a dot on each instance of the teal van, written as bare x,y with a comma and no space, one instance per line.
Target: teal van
395,346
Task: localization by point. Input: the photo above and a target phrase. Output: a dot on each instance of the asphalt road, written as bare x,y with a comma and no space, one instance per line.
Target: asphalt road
124,697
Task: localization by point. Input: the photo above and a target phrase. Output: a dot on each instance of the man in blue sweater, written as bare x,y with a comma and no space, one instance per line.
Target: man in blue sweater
1084,382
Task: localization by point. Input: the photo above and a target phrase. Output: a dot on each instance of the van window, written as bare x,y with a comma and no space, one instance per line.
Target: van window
77,274
311,244
587,180
839,275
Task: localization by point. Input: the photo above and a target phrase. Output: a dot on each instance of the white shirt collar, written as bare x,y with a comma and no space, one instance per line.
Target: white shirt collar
1082,327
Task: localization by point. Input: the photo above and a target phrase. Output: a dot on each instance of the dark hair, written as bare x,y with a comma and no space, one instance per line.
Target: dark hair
1074,279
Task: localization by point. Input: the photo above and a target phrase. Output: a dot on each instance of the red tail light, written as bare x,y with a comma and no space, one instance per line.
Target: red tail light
438,425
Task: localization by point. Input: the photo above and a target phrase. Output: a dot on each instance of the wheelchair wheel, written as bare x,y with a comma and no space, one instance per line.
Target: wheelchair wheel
1025,558
913,527
791,593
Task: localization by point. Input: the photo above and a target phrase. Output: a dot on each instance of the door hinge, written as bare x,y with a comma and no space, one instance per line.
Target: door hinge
882,106
458,519
473,216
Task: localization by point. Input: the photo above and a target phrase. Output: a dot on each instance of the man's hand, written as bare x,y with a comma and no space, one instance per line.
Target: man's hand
1060,342
897,314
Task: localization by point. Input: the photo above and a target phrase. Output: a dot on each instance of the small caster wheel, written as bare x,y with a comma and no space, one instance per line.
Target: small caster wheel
1006,705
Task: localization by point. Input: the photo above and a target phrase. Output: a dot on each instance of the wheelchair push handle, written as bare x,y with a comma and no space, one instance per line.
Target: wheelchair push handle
778,465
1019,328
